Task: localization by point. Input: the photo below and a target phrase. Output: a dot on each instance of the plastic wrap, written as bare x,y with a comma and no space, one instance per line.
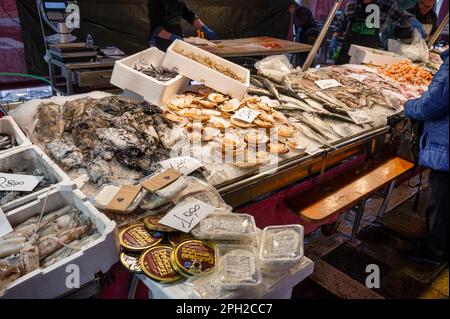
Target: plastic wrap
237,266
417,51
276,66
281,247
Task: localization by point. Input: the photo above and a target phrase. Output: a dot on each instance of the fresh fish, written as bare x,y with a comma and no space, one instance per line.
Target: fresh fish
271,88
259,92
256,82
310,133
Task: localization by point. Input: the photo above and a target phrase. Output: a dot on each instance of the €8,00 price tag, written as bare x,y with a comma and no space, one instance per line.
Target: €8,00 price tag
183,164
18,183
187,214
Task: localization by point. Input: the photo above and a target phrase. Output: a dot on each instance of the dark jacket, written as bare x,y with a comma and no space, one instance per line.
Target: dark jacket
433,109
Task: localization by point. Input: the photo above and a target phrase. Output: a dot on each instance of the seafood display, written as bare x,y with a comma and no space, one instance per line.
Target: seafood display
6,142
158,73
206,61
407,72
111,140
41,241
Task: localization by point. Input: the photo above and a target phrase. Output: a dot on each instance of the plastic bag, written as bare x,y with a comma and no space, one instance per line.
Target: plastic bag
275,66
417,51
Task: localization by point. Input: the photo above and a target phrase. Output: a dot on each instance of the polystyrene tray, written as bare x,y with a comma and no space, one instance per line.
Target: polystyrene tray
96,256
10,127
155,92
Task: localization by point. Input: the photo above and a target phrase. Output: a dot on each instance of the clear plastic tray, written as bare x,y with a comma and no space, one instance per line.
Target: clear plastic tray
237,266
281,246
227,226
106,193
152,201
209,287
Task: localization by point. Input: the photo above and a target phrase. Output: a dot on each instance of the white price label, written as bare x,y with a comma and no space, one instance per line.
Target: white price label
326,84
247,115
183,164
5,227
359,77
18,183
359,117
187,214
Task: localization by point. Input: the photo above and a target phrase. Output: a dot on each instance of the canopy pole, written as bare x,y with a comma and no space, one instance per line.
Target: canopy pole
438,32
309,60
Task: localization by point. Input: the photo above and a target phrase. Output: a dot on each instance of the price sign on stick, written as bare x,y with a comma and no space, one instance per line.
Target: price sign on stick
326,84
359,117
183,164
5,227
18,183
187,215
247,115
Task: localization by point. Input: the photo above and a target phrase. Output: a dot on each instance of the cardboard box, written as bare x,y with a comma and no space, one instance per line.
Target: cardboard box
360,55
127,78
96,256
204,74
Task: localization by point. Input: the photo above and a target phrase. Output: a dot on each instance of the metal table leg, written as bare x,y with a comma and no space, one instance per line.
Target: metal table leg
358,218
385,203
133,286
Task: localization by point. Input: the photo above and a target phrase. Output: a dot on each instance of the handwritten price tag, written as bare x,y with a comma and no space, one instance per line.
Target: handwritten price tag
183,164
18,183
359,117
187,215
359,77
326,84
5,227
247,115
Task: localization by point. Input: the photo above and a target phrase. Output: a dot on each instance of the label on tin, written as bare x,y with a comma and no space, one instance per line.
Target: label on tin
124,197
187,214
177,238
194,257
161,180
137,237
156,263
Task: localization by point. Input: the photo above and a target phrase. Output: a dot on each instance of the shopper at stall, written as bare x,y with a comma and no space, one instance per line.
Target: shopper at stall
165,17
307,30
425,14
433,109
355,29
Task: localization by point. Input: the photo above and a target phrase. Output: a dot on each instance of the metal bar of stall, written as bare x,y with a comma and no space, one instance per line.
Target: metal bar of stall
309,60
438,32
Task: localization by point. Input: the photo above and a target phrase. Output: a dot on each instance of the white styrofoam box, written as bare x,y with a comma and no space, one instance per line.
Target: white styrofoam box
203,74
360,54
32,156
9,126
96,256
155,92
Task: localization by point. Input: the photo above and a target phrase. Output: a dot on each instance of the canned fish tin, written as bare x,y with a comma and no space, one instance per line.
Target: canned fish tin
131,262
152,223
176,238
137,238
156,264
193,257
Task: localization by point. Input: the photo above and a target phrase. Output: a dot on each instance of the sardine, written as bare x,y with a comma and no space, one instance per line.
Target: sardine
271,88
254,81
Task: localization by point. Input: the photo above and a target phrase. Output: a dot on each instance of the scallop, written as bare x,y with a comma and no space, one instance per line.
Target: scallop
211,112
263,124
295,145
231,105
216,97
189,112
206,103
278,148
240,123
210,133
174,118
286,131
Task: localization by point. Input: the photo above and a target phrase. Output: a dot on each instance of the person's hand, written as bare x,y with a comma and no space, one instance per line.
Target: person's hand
210,34
174,37
417,25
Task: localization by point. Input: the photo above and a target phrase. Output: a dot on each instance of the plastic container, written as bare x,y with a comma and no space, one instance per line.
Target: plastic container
209,287
96,256
281,247
227,226
9,126
126,77
204,74
106,193
237,266
32,158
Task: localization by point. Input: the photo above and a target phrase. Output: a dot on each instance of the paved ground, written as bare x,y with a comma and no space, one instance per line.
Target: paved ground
340,266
